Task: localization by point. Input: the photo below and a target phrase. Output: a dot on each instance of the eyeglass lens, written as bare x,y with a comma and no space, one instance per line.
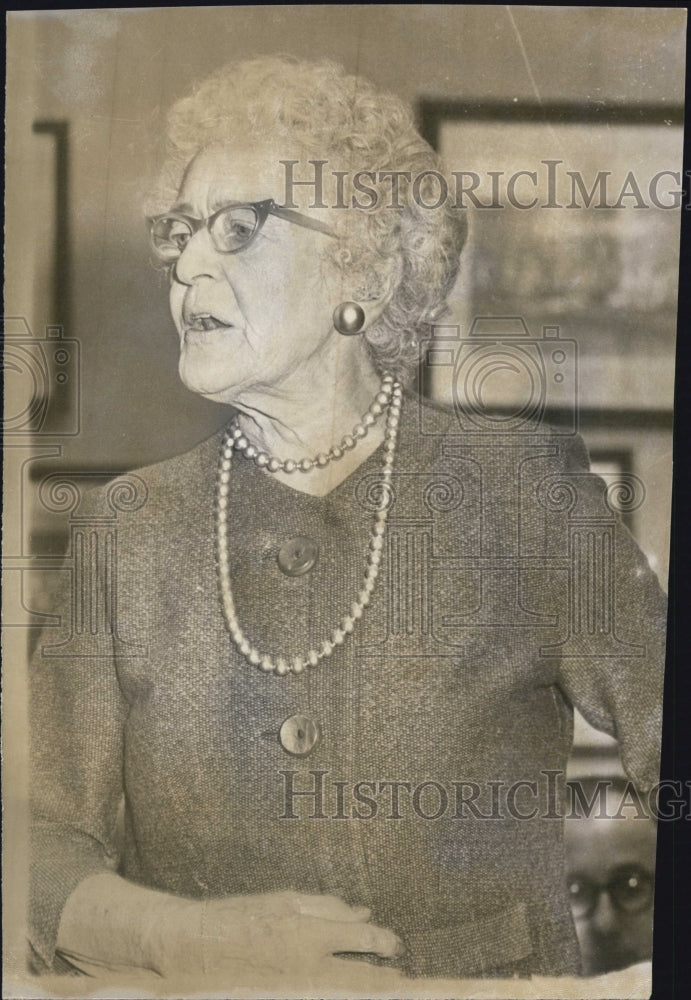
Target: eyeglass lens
169,236
234,227
231,229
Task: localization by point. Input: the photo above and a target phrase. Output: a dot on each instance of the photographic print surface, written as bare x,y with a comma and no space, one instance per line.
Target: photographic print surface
339,365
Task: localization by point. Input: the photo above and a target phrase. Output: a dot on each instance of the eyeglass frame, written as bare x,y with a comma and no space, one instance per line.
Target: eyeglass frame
598,888
263,210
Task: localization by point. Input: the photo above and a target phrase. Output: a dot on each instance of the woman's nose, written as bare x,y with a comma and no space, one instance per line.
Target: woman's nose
198,259
604,917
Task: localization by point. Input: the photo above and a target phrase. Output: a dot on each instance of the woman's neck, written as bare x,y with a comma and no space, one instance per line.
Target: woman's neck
309,413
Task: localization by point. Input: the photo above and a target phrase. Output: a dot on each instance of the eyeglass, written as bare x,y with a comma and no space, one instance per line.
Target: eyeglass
232,227
630,888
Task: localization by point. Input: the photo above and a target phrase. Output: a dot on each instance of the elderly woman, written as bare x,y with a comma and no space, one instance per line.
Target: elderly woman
345,730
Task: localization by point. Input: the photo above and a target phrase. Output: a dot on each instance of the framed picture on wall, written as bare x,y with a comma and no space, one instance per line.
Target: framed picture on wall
575,215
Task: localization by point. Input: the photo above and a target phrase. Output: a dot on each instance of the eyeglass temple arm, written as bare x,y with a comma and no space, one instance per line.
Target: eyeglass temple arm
301,220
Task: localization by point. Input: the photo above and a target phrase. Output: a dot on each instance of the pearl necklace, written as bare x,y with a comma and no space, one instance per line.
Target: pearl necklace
360,430
283,665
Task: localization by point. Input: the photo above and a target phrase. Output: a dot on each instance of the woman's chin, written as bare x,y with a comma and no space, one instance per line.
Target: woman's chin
199,379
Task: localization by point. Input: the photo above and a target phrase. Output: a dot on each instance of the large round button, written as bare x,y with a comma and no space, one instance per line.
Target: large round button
299,735
297,555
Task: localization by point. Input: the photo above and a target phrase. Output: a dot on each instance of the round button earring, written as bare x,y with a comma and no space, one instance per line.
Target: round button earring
349,319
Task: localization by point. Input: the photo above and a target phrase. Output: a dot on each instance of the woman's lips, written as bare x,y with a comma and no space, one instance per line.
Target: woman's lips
203,324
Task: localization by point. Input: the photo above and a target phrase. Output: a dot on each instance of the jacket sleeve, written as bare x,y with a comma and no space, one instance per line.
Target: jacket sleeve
76,717
611,664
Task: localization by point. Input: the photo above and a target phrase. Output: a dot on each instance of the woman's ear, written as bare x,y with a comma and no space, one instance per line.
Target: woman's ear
375,300
374,306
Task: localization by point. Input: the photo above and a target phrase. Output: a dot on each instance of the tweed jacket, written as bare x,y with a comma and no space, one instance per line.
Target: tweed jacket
509,591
